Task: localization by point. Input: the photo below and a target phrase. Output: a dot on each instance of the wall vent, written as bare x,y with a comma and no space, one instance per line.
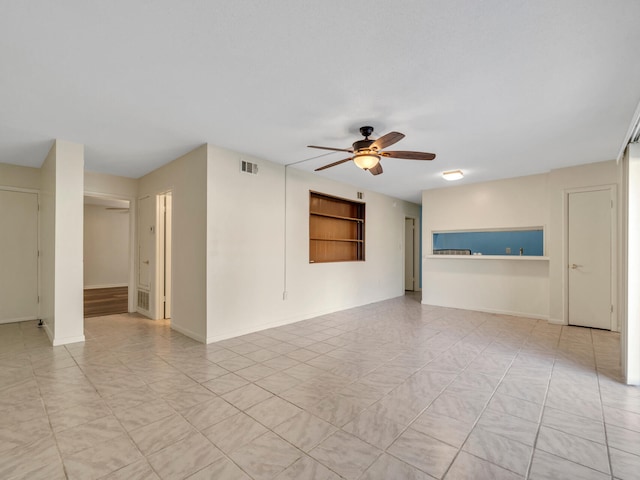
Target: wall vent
143,300
248,167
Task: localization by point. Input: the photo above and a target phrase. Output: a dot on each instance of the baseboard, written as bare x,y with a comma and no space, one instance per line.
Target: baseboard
188,333
536,316
286,321
67,340
259,328
19,319
557,321
106,285
48,331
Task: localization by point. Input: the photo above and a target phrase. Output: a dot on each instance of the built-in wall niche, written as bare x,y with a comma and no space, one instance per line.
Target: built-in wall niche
336,229
526,241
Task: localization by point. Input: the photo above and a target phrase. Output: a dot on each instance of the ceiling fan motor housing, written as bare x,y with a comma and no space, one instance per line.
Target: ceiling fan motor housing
362,145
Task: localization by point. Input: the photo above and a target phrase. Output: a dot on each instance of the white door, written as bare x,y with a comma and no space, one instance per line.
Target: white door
146,237
589,266
18,256
409,261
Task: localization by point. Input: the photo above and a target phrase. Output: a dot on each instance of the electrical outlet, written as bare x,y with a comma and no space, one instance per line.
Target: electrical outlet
508,251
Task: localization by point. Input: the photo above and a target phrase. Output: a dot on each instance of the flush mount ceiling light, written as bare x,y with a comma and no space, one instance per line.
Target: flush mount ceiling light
452,175
366,161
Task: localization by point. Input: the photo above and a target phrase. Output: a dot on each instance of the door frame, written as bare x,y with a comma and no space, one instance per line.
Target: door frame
162,273
613,195
417,261
413,254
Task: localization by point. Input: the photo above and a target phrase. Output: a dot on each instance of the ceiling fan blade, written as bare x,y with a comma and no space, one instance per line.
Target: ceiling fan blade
333,149
377,170
387,140
408,155
333,164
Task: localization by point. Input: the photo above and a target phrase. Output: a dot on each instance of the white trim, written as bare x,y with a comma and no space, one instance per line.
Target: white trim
535,316
47,329
287,321
557,321
67,340
16,320
188,333
490,257
632,126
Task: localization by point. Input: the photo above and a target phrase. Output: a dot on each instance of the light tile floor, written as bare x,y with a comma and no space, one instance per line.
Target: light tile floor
392,390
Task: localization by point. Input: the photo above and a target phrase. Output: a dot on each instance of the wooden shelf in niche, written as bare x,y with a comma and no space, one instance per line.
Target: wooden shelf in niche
336,229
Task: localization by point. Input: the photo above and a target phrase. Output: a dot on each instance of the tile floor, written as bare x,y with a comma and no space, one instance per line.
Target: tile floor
392,390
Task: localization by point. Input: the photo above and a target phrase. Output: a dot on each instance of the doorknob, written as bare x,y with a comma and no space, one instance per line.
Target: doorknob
573,266
146,262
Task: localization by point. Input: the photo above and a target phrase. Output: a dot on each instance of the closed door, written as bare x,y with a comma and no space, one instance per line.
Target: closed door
589,268
146,237
18,256
409,261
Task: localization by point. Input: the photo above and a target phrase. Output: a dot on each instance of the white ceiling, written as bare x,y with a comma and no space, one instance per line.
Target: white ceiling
497,88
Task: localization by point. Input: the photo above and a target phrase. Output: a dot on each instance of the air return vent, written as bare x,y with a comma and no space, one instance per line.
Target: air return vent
248,167
143,300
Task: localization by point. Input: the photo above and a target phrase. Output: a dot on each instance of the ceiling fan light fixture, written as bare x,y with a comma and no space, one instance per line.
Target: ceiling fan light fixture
366,161
452,175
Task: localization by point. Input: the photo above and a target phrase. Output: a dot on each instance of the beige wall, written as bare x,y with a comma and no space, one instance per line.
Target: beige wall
19,177
110,185
106,247
186,177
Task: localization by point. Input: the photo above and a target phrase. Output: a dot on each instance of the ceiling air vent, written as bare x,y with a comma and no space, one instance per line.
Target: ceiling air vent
248,167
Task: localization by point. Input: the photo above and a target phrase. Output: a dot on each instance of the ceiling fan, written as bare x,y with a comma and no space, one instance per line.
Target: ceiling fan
367,153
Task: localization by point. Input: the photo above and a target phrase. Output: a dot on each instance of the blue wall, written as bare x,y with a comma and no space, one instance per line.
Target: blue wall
492,243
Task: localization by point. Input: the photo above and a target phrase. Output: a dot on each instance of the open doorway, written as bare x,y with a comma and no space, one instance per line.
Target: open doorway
163,305
409,254
106,255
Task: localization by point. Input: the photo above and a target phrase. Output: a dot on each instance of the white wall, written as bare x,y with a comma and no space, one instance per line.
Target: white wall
186,177
245,249
62,185
246,256
106,247
509,286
